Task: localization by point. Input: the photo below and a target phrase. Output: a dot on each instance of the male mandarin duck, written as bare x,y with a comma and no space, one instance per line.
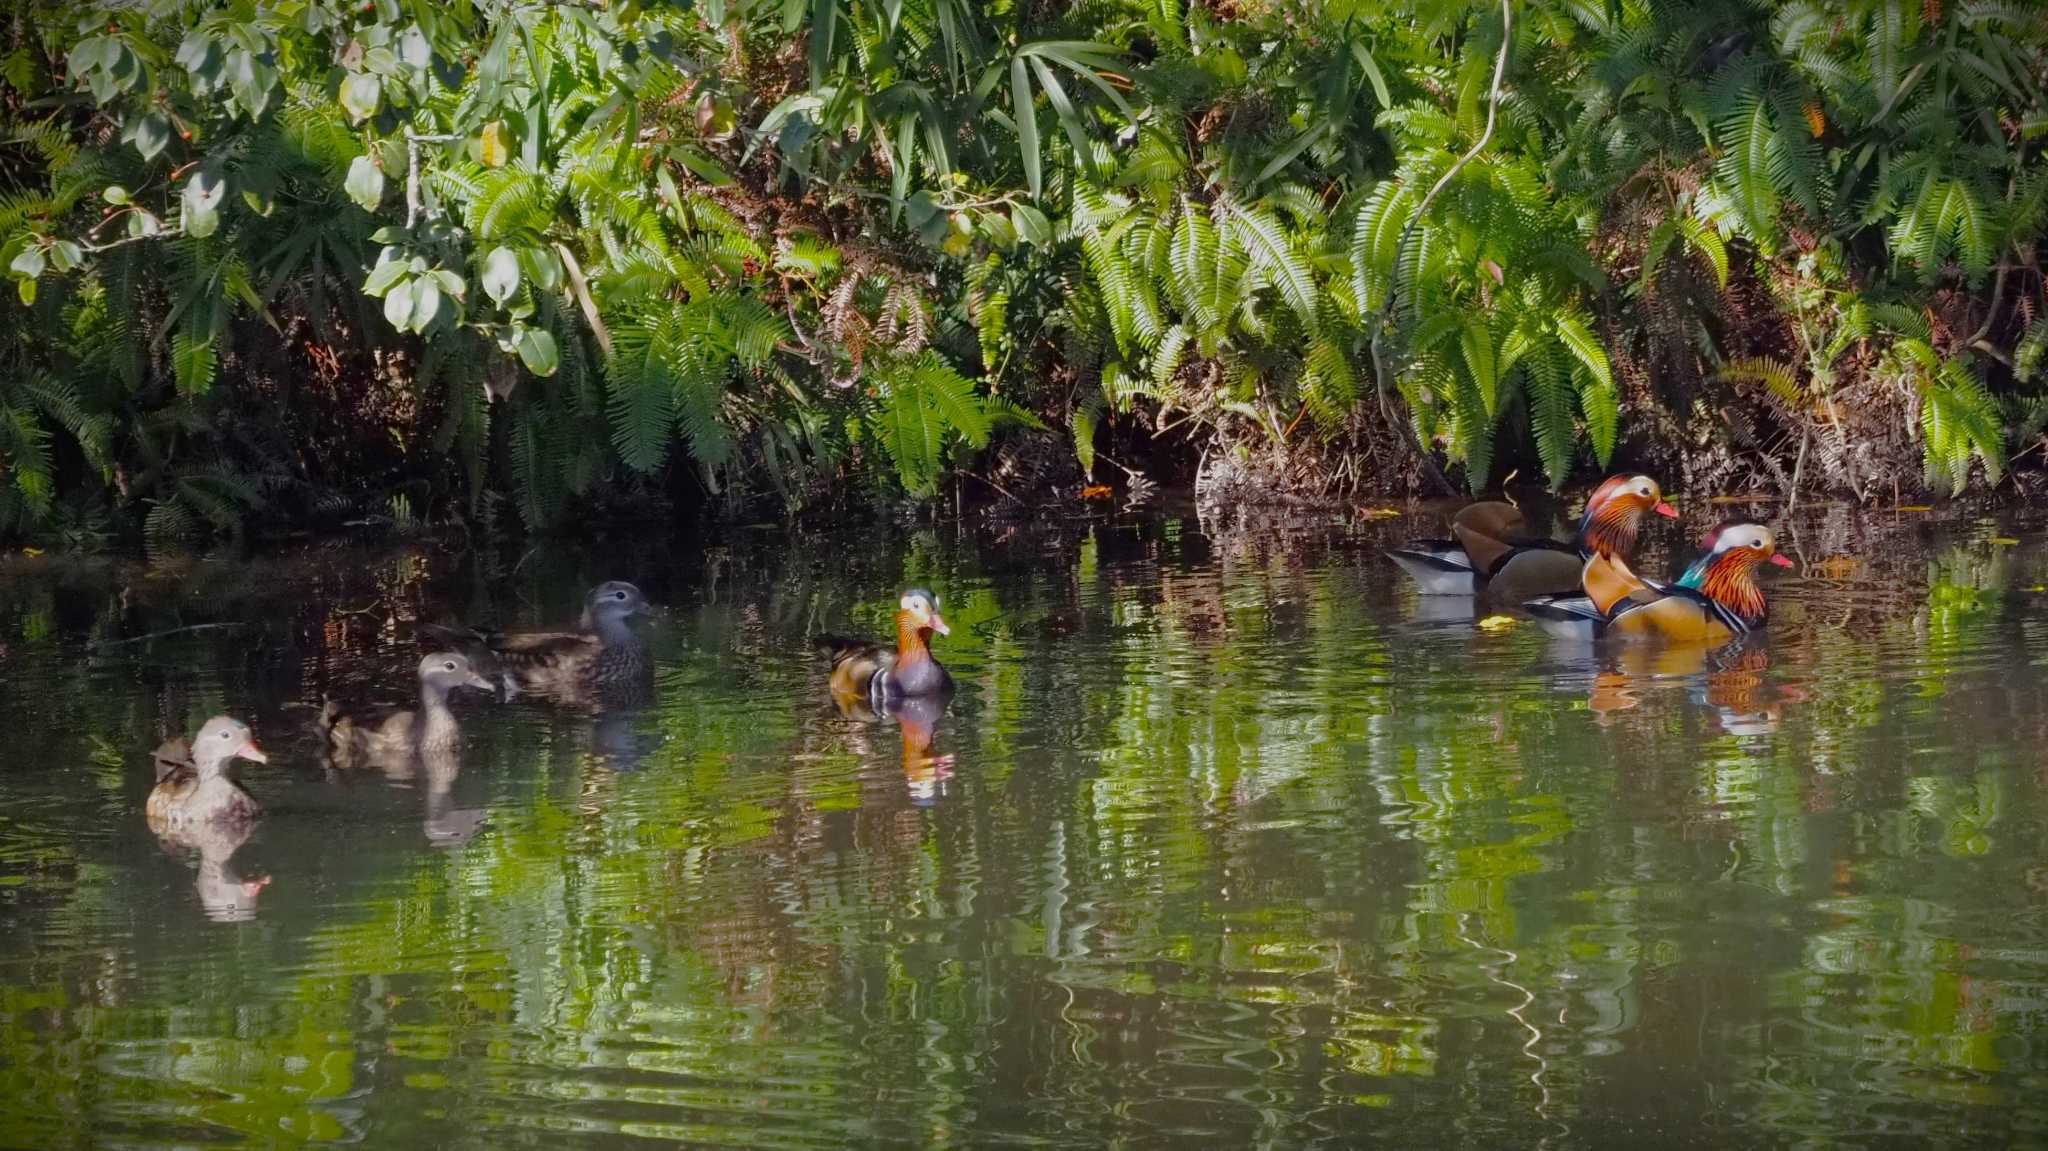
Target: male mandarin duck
1492,552
198,790
884,676
1716,599
602,660
385,733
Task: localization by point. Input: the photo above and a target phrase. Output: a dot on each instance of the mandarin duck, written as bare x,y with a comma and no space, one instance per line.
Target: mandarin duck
385,733
1715,600
1493,554
603,660
882,676
198,790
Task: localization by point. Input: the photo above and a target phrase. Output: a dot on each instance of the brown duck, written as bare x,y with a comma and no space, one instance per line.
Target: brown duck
883,676
603,660
192,783
1492,553
382,734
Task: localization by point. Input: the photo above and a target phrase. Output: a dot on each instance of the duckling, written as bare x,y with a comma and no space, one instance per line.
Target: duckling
388,733
199,790
603,659
884,676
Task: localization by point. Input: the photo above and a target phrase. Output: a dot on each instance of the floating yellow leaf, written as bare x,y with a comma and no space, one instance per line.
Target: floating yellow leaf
31,552
1378,513
1095,492
2004,541
1914,508
1496,622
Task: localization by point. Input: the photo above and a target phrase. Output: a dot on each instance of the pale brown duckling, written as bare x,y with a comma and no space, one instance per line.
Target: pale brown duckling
388,733
199,790
602,660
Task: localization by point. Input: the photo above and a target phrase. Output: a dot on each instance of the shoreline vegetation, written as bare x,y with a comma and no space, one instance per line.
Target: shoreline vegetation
522,268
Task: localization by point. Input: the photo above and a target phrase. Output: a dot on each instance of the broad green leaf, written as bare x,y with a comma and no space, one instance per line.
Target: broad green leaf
114,194
537,351
1371,68
201,199
149,133
361,94
29,261
387,273
398,305
501,274
1031,224
1025,114
426,302
365,183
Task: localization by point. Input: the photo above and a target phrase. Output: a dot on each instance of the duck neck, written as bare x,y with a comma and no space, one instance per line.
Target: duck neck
1609,527
210,767
911,647
1729,579
613,631
437,719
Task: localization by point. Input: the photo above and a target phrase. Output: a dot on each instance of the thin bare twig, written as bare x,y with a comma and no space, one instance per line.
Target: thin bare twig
165,632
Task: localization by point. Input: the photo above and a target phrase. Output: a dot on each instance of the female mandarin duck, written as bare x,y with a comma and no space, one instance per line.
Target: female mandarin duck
885,677
194,788
1716,599
603,659
1492,552
387,733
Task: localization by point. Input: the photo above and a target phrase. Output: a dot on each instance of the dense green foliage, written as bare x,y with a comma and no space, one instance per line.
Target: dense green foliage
498,255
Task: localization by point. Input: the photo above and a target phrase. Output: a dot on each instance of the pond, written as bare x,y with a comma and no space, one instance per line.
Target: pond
1229,838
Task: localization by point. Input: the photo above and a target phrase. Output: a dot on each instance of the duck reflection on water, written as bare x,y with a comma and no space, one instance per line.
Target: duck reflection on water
1730,681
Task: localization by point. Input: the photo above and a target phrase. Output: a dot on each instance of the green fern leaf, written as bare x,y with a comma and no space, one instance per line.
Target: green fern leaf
1266,241
192,363
1551,398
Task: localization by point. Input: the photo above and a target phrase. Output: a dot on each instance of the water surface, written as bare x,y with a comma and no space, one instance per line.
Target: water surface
1228,840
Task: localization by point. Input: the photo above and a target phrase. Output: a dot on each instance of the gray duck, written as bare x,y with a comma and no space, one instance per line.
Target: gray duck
387,733
192,784
602,660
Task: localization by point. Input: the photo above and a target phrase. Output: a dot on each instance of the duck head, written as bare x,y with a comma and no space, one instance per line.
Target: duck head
611,604
1614,513
444,671
222,739
920,614
1727,573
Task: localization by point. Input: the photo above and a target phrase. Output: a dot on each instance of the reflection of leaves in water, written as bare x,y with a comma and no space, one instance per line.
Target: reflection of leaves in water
1226,841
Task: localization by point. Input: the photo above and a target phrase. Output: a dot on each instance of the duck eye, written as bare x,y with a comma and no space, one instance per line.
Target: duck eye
449,666
227,735
618,595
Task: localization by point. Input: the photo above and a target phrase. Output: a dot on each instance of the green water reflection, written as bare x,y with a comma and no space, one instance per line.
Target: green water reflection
1228,840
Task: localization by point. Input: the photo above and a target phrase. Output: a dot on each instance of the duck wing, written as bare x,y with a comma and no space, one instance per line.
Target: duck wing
172,755
547,662
855,662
